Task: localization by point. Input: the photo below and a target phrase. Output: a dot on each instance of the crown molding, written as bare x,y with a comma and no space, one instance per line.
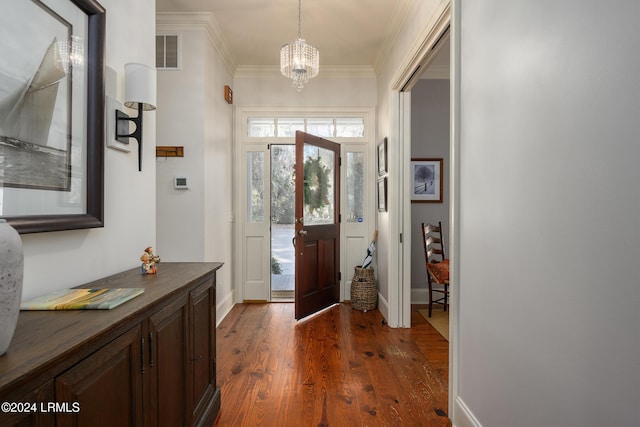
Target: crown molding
422,50
198,21
326,72
395,25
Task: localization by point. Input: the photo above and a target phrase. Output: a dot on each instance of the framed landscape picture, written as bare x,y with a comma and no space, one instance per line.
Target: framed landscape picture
426,181
382,157
52,114
382,194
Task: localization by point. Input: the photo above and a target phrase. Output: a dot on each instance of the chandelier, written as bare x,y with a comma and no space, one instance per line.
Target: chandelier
299,61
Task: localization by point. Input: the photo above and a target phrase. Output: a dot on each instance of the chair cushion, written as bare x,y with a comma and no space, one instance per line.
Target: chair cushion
439,271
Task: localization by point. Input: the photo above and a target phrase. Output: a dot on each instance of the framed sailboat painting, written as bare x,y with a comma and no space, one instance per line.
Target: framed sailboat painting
52,114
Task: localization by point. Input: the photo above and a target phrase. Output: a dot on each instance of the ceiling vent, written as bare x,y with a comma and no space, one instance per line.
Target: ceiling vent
167,54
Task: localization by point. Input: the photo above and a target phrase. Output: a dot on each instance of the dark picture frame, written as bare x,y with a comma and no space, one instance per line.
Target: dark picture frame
382,194
427,183
382,157
79,203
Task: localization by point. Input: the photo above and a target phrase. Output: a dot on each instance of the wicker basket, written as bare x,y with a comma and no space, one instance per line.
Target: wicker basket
364,292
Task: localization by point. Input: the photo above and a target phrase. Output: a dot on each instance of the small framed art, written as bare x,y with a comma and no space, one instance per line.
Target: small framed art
426,181
382,157
382,194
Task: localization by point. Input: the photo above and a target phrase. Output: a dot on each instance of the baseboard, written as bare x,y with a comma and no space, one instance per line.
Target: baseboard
462,415
224,307
419,296
383,306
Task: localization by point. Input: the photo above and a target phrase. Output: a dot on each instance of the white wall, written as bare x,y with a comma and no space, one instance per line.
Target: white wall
63,259
271,89
549,299
196,224
430,120
181,121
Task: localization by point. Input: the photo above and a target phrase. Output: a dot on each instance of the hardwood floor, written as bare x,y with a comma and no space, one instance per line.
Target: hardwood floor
341,368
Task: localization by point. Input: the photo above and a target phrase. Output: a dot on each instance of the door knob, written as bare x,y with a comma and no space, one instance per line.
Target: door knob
302,232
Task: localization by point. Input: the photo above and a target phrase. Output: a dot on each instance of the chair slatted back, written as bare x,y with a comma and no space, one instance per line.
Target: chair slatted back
437,269
433,242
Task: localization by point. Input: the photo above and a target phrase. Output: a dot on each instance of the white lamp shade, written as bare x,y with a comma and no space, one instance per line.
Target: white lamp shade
140,86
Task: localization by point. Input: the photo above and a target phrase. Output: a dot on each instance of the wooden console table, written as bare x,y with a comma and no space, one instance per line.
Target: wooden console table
148,362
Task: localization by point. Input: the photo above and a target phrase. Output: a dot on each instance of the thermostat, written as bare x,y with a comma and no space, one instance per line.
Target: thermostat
181,183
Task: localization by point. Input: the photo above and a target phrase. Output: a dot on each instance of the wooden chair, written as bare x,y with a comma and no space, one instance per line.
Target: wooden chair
437,264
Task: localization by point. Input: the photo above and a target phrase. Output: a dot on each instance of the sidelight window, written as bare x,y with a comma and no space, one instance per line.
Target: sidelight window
255,186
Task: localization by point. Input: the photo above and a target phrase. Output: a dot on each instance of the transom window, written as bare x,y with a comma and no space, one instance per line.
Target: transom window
286,127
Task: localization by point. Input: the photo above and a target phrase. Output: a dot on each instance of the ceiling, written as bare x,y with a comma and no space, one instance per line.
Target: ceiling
346,32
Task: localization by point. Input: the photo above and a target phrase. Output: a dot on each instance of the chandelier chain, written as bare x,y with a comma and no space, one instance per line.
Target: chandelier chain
299,18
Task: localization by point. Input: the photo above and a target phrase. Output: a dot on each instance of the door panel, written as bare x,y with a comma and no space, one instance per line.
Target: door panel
167,347
202,350
317,238
107,385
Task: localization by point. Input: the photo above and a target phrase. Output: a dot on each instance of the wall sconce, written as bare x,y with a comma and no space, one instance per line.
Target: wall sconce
140,94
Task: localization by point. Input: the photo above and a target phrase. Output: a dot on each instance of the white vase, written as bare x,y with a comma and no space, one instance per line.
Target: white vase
11,273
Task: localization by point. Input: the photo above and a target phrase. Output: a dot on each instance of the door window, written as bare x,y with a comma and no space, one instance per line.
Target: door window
318,185
355,187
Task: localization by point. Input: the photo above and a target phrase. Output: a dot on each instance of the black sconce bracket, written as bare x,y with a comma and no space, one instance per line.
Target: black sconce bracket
122,127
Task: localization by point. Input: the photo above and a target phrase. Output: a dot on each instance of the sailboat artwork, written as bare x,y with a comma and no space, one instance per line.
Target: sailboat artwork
52,114
35,122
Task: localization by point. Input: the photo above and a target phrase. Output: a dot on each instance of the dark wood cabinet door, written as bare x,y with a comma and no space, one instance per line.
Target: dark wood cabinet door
167,338
35,400
202,352
106,385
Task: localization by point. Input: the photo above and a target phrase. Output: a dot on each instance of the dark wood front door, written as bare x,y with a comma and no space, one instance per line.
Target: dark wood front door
317,238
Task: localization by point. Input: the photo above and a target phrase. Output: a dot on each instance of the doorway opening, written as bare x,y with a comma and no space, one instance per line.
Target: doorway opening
425,121
283,159
265,196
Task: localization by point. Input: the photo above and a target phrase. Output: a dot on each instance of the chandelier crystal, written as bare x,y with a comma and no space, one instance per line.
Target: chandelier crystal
71,52
299,61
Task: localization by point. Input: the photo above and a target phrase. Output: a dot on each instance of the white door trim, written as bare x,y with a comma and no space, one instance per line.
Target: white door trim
406,76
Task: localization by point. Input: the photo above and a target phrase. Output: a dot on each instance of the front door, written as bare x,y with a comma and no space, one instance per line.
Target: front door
317,224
